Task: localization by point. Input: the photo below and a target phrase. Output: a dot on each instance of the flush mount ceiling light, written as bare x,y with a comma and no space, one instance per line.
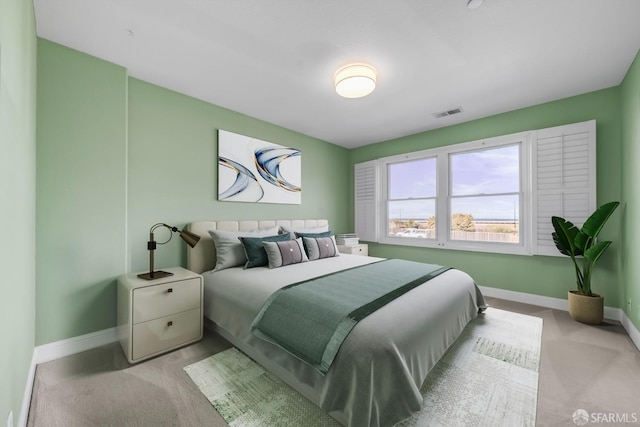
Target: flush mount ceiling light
474,4
355,80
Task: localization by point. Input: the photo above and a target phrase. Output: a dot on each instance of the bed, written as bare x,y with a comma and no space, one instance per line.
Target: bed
376,376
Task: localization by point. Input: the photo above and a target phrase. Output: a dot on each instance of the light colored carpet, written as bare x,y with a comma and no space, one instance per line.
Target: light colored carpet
489,377
582,367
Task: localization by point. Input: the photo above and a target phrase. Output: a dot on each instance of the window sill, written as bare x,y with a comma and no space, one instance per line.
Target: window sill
497,248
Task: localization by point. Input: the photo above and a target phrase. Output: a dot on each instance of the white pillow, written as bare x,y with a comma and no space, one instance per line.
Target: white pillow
285,253
229,250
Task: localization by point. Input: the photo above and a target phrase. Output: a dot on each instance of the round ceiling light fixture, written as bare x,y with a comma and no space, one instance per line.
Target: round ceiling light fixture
474,4
355,80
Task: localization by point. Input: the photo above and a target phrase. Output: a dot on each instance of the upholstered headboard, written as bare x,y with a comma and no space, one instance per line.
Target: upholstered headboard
203,257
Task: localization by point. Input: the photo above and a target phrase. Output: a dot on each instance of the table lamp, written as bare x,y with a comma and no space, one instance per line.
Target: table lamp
189,237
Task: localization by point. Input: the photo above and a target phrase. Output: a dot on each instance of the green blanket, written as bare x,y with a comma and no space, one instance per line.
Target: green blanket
311,319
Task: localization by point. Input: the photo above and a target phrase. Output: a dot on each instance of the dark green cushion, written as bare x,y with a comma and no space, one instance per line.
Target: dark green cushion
254,251
314,235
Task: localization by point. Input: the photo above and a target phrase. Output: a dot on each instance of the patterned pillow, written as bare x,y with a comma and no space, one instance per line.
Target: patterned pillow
254,250
320,247
229,252
314,235
285,253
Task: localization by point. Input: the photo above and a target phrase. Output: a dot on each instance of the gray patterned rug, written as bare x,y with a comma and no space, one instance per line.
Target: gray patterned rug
489,377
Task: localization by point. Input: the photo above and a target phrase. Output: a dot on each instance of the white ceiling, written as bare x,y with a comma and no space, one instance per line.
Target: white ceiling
275,59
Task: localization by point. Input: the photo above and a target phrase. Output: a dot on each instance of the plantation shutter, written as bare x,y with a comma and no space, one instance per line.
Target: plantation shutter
366,217
564,179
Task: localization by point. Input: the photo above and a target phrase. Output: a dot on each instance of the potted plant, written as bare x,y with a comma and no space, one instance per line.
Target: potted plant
585,250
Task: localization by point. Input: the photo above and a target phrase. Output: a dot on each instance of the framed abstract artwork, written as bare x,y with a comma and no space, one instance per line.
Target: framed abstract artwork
252,170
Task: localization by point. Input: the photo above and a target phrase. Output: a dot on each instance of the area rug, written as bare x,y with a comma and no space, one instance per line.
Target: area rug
489,377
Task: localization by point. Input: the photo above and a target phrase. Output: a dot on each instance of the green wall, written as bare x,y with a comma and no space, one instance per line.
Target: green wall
541,275
631,199
117,155
173,173
81,193
17,190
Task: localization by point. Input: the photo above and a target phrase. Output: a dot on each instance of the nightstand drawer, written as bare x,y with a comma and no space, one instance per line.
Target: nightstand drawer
163,334
361,249
152,302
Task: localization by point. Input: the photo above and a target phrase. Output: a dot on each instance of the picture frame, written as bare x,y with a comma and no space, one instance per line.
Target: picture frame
256,171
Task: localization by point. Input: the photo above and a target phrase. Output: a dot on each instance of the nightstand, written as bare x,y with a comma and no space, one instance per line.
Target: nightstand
359,249
156,316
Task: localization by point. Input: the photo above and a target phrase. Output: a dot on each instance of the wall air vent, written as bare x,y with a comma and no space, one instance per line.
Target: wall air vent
447,113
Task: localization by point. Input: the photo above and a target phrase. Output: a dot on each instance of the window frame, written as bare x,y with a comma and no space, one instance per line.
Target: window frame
556,157
385,190
443,196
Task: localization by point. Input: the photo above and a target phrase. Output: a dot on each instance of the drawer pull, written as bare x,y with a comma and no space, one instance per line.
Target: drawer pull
170,323
169,290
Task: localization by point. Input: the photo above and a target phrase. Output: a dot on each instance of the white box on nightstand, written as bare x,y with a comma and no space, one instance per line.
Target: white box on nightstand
359,249
156,316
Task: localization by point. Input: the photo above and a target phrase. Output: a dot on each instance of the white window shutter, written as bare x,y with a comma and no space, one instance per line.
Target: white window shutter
564,179
366,215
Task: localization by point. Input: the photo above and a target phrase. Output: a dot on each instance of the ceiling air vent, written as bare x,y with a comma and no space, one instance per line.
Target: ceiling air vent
446,113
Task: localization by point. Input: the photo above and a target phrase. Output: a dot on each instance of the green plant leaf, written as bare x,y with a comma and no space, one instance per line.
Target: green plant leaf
596,221
574,242
582,241
594,253
564,236
591,256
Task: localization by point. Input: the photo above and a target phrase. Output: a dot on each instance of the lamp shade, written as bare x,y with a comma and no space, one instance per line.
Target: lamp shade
189,237
355,80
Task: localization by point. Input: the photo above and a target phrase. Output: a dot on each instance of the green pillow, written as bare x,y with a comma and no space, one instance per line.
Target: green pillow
254,250
229,252
314,235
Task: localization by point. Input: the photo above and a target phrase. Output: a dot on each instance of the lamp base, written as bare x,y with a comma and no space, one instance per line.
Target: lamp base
152,275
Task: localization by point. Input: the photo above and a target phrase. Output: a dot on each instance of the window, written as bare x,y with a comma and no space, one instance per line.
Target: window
412,190
465,196
485,197
493,195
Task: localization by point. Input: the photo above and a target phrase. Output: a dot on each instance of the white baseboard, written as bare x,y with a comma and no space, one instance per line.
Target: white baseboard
28,390
631,329
56,350
612,313
542,301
